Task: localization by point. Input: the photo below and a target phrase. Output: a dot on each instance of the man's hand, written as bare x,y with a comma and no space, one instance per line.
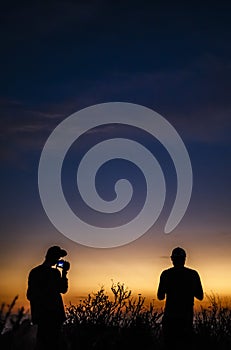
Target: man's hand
66,266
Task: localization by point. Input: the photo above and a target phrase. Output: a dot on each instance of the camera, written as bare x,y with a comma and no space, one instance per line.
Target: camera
60,263
65,265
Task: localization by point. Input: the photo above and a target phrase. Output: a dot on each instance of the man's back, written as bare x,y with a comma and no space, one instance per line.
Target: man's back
180,285
45,284
46,281
44,287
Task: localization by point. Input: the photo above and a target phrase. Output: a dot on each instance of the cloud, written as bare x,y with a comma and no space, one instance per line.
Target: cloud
24,130
16,117
194,99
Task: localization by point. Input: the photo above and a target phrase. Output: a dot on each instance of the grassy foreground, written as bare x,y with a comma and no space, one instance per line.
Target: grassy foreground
122,322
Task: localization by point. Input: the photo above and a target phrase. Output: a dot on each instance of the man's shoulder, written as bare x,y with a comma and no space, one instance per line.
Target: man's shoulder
167,271
36,269
173,270
191,271
42,269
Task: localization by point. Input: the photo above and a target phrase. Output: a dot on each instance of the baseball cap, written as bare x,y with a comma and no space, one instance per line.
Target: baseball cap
55,252
178,252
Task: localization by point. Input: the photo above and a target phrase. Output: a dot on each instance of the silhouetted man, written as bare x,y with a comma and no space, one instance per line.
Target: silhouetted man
179,285
44,287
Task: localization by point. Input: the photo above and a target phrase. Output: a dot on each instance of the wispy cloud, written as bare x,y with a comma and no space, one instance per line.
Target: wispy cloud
195,99
24,130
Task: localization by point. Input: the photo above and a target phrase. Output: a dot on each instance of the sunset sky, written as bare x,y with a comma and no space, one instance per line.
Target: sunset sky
58,57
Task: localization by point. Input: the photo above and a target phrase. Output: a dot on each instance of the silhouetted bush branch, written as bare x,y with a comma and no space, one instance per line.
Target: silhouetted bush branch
11,324
120,322
212,325
112,321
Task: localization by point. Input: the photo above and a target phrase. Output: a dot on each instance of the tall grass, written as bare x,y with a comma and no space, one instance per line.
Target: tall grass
212,325
12,325
122,321
99,322
8,319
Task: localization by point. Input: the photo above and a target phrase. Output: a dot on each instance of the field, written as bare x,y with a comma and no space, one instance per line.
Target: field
122,322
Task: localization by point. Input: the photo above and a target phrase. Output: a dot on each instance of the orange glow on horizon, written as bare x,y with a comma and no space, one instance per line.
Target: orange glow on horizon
140,278
137,265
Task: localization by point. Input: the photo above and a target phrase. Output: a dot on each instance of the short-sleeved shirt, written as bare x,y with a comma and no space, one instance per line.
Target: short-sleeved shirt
180,285
44,287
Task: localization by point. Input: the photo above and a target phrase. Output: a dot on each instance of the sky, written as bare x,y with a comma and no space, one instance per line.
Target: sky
58,57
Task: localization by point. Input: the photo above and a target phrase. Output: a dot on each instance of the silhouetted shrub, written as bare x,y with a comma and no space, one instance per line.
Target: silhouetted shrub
121,322
10,324
100,323
212,325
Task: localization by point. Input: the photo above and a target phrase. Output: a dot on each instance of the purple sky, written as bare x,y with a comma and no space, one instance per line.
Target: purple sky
59,57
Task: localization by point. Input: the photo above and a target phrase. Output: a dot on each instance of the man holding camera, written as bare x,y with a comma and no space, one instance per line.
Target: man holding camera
45,285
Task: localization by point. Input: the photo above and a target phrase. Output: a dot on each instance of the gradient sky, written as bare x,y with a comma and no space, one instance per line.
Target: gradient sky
58,57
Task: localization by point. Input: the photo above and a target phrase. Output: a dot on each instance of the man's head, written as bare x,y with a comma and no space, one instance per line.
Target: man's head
54,254
178,257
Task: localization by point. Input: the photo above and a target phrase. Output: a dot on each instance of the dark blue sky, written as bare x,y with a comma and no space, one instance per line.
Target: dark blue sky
60,56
